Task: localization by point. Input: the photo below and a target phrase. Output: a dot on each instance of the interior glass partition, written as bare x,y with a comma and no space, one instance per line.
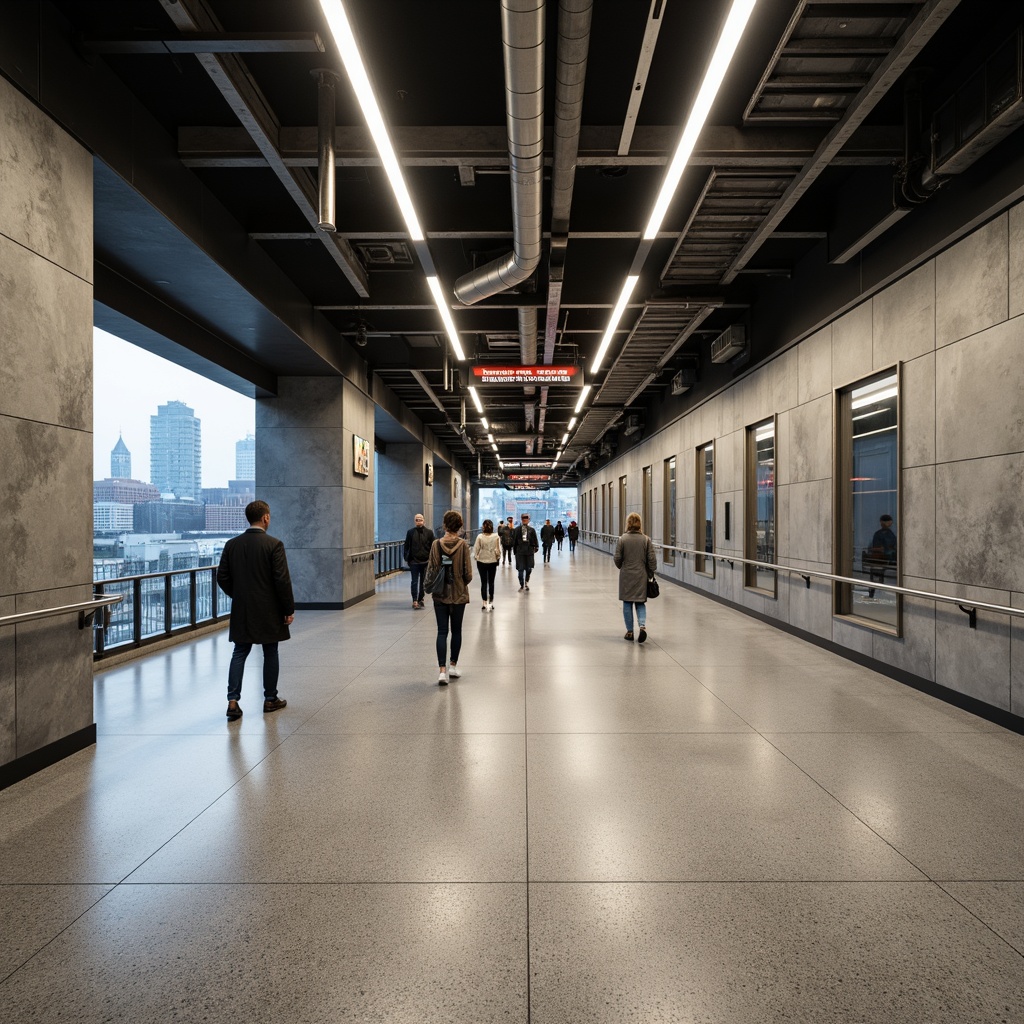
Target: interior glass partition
647,496
867,500
668,526
759,541
704,532
622,505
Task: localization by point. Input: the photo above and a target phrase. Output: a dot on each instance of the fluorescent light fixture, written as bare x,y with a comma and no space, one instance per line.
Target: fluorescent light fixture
583,397
572,423
483,423
344,38
620,307
873,398
476,401
875,385
724,51
494,446
449,325
764,433
565,437
490,437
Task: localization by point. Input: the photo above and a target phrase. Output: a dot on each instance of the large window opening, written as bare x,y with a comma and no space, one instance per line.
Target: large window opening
867,502
668,528
759,541
705,509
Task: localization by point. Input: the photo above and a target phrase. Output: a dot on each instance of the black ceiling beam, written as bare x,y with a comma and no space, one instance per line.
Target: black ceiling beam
448,146
202,42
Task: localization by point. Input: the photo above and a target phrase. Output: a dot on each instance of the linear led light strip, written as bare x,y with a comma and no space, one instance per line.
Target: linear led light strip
736,22
344,38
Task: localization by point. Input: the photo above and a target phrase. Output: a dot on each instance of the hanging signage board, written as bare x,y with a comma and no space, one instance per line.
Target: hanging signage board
528,487
529,376
526,463
522,477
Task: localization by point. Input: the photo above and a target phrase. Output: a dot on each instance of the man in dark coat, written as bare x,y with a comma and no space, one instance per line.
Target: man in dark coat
573,533
547,538
253,572
507,534
418,542
524,545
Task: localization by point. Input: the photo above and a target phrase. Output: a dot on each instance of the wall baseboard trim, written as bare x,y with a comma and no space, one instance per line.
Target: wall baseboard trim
28,764
1012,722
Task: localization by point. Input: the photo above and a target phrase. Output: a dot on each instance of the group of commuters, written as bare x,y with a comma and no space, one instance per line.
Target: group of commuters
253,572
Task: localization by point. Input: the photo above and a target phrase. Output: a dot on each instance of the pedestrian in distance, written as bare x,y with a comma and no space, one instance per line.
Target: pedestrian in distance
450,555
486,553
524,547
636,561
559,535
507,532
253,572
547,538
418,541
573,533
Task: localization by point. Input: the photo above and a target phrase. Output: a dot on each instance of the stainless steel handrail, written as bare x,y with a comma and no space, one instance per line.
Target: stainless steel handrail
968,607
86,610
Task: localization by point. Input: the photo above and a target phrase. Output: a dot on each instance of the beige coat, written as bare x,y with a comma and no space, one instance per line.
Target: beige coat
487,548
457,592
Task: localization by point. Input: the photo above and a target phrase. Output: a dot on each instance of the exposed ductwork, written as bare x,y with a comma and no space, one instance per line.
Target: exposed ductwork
522,34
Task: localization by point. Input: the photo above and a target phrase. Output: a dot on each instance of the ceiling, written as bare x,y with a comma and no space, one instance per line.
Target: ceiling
797,158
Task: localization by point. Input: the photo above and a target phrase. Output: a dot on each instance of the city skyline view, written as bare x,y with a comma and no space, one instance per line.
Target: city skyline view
129,384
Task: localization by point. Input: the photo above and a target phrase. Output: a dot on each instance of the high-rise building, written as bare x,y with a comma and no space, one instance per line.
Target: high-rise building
175,446
120,461
245,458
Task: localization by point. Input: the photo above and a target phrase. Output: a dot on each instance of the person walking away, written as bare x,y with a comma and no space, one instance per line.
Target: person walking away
253,572
507,537
486,553
636,561
450,555
573,533
882,553
524,546
547,538
418,541
559,535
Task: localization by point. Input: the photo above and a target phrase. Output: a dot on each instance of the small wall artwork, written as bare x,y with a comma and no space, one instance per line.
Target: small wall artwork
360,455
430,474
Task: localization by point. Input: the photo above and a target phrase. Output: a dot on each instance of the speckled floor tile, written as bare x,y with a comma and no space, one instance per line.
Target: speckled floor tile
32,915
999,904
873,953
689,807
952,803
642,699
310,954
97,815
393,808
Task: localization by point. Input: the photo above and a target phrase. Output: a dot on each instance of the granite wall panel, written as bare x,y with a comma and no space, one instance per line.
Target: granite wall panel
46,185
313,515
972,283
316,575
978,387
302,402
297,457
53,668
46,327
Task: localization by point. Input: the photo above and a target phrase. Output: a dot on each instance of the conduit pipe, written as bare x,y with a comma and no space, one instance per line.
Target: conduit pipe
522,34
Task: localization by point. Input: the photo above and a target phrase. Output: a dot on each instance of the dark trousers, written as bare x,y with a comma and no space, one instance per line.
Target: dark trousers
524,576
547,551
417,570
558,541
506,555
271,670
448,616
487,571
572,545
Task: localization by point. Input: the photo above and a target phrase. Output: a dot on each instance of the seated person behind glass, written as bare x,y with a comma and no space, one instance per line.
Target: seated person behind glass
882,552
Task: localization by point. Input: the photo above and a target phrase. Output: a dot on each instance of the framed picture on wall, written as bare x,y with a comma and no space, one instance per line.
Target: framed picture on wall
360,455
430,474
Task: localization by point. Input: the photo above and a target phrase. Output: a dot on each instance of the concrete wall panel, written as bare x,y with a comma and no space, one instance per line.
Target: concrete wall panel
1016,258
904,318
814,366
917,411
917,531
852,345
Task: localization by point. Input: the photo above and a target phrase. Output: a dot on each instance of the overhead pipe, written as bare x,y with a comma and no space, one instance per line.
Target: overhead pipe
326,107
522,34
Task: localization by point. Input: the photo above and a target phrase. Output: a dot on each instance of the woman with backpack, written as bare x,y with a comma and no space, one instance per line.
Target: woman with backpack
450,560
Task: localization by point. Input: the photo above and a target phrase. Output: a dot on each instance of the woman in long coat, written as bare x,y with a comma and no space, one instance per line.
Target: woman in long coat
636,561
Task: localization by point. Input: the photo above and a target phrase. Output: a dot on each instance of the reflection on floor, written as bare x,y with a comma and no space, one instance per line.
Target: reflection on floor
723,825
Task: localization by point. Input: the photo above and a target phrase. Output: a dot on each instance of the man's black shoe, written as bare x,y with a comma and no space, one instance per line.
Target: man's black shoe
234,711
274,705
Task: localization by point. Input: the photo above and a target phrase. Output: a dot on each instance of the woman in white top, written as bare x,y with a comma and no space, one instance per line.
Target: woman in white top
487,553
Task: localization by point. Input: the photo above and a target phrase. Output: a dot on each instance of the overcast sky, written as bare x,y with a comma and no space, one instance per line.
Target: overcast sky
128,385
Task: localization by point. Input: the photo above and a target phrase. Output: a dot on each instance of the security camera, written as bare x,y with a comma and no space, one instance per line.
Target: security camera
361,335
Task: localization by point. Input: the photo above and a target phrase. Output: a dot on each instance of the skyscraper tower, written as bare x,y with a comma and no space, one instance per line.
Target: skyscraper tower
245,458
175,451
120,461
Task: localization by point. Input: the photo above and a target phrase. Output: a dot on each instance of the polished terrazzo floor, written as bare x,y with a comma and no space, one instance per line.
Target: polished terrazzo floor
724,825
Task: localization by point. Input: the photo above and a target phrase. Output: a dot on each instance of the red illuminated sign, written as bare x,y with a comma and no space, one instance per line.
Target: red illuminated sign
528,376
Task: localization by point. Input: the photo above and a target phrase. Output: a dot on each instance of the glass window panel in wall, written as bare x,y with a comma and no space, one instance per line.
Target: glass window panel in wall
668,529
622,505
760,506
868,519
648,500
704,532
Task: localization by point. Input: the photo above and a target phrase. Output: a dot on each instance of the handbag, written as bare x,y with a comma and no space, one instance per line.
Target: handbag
436,584
653,587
